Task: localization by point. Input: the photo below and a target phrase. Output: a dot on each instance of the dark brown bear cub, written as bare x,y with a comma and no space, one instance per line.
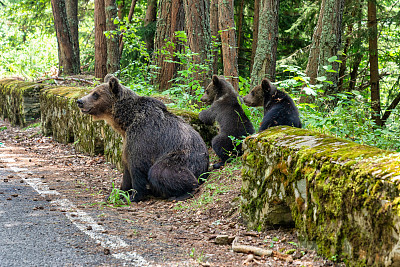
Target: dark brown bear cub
163,156
279,108
227,111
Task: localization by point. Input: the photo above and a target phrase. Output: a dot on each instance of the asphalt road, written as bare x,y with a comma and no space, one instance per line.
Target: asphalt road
39,227
33,233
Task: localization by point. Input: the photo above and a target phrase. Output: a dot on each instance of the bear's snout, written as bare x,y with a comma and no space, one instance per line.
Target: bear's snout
79,102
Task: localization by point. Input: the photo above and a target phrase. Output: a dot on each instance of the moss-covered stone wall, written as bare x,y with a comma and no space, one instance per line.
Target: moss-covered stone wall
22,102
343,197
19,101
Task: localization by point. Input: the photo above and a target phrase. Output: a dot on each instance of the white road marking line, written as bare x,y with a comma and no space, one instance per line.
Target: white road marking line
7,160
80,219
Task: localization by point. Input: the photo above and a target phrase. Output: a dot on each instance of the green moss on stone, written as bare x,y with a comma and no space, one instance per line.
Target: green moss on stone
351,193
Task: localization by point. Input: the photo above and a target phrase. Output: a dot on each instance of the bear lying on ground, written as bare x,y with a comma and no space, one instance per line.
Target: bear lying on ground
227,111
162,155
279,108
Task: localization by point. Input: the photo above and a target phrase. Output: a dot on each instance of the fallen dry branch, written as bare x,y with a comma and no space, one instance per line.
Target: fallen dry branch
250,249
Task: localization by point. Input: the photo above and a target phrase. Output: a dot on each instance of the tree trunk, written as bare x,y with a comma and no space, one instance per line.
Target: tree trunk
342,69
354,71
240,35
72,14
373,63
113,39
214,33
171,18
312,64
330,42
68,60
197,13
256,20
121,7
357,12
151,16
131,11
228,39
265,57
100,46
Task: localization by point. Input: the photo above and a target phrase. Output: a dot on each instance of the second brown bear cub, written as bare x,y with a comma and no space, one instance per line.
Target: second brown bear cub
227,111
162,155
279,108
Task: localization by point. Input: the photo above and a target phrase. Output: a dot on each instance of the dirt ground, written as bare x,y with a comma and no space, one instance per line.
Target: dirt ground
165,233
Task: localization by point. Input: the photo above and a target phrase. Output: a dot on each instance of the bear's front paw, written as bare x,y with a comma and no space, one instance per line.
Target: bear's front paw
136,198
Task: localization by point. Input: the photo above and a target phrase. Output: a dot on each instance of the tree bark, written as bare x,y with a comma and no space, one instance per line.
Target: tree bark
131,11
151,16
330,42
214,33
100,45
197,13
68,60
326,41
228,39
256,20
312,64
357,13
342,69
240,35
171,18
373,63
73,22
265,57
113,39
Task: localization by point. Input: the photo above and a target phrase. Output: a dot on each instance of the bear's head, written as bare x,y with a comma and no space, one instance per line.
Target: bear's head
218,88
260,94
100,101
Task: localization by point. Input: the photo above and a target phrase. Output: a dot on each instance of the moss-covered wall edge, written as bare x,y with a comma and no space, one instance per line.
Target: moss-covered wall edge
342,197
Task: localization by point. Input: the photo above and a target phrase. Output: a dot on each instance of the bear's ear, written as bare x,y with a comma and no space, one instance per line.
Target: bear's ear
268,87
114,85
108,77
216,81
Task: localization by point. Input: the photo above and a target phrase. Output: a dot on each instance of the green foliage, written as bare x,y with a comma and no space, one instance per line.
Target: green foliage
28,46
185,89
30,59
349,117
198,257
118,197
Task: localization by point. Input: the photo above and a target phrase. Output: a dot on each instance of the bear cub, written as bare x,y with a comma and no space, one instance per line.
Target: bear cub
162,155
279,108
228,112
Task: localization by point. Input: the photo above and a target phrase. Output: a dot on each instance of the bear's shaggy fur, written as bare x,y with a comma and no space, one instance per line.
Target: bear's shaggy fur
279,108
163,156
227,111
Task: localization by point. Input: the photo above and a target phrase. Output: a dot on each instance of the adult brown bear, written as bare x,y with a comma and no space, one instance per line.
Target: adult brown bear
163,156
